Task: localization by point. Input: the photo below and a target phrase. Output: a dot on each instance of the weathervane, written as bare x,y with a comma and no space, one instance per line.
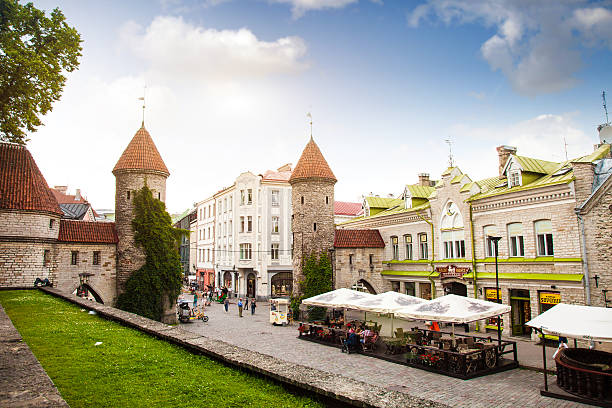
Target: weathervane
142,98
309,115
451,161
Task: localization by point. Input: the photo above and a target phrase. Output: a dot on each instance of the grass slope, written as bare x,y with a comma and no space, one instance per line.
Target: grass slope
129,368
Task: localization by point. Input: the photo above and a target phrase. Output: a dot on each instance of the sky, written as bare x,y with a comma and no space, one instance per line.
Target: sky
228,85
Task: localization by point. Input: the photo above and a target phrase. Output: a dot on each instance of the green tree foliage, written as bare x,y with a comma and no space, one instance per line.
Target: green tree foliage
317,280
35,53
161,274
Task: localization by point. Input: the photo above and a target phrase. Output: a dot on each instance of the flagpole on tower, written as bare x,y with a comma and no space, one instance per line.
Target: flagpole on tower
309,115
142,98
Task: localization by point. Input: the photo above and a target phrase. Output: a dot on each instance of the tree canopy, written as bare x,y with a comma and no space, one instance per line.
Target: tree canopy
161,275
35,53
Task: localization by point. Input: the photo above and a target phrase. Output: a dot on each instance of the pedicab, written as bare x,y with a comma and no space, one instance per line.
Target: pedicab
187,314
279,312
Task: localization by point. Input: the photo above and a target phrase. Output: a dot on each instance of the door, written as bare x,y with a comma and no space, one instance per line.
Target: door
251,285
521,312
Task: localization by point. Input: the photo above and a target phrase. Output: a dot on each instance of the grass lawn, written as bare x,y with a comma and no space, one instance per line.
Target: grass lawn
129,368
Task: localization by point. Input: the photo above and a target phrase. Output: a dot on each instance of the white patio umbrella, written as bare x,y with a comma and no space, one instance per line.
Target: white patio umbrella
340,298
453,309
575,321
388,303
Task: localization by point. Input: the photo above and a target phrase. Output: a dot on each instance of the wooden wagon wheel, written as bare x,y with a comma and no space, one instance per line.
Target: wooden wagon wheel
490,358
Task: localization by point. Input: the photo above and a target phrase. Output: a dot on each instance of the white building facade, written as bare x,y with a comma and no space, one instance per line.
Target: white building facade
205,242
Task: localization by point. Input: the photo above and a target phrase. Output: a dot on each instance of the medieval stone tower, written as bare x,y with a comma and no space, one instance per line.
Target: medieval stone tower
139,162
312,196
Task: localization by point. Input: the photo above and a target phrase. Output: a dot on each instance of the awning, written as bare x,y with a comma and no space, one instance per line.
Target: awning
453,309
387,302
339,298
575,321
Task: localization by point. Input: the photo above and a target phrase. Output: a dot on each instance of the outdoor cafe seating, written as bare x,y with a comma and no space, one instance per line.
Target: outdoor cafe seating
458,355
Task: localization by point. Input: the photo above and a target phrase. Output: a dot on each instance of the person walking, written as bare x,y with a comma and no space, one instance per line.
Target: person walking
195,300
240,307
253,304
246,303
226,304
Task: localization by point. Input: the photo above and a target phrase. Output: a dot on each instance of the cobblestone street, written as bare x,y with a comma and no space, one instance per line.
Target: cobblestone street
514,388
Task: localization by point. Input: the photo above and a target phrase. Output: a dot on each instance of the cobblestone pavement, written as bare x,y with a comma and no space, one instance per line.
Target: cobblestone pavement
515,388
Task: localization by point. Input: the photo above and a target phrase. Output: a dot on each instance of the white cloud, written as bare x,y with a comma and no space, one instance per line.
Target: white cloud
300,7
174,47
537,44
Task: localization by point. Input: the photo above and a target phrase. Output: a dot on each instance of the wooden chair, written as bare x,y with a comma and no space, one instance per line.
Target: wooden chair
369,343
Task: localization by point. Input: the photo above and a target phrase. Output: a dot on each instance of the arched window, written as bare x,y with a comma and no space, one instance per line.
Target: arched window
543,230
515,239
451,232
489,231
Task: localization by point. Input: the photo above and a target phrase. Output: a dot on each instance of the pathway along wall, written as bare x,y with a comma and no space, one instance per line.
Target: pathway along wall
342,390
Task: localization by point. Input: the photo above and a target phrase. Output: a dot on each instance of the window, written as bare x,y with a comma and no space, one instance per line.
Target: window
395,286
395,247
225,205
128,195
241,224
242,197
249,224
231,227
219,206
219,230
96,258
543,230
489,231
74,257
515,179
302,199
46,257
250,196
408,242
423,250
350,259
314,226
51,221
259,223
224,228
326,199
453,244
371,259
410,288
274,252
245,252
515,239
275,225
231,203
275,199
159,196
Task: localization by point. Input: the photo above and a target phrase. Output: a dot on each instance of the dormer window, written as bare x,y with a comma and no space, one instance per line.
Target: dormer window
514,179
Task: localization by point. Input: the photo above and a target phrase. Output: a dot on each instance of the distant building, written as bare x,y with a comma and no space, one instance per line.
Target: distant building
204,236
345,211
184,222
74,207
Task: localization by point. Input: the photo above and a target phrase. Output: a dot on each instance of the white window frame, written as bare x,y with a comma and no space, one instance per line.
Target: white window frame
246,253
275,198
275,225
274,251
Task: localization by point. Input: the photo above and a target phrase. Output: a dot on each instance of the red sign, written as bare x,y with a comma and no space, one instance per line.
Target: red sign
452,271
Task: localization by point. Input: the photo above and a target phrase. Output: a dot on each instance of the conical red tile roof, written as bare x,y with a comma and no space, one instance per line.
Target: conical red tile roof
312,164
22,185
141,154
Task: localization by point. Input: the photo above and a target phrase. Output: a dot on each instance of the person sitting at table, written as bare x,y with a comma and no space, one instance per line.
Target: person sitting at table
365,334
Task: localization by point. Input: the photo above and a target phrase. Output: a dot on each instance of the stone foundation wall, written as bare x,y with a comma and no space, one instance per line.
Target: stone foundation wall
22,262
28,224
348,274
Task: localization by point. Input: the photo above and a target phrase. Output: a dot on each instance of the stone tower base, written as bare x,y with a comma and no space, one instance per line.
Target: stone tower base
169,314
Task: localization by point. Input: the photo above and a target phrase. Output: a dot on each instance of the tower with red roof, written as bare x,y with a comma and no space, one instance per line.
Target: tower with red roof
312,195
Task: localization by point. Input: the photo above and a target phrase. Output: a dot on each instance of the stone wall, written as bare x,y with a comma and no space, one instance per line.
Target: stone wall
28,224
130,257
348,274
102,280
318,208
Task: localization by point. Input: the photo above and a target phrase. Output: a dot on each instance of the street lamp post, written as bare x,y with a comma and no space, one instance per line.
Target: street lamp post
495,241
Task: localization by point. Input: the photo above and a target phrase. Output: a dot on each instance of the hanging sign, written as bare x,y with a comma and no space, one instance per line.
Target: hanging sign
548,298
490,294
452,271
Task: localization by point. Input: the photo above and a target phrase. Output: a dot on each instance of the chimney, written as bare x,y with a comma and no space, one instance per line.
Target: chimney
77,195
424,179
61,189
504,152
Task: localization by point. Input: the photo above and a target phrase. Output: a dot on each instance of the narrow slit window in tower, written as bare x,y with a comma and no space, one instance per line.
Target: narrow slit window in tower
128,195
326,200
302,199
159,196
315,226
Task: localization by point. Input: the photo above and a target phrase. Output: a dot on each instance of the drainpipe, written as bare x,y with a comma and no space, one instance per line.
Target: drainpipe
585,264
433,269
474,259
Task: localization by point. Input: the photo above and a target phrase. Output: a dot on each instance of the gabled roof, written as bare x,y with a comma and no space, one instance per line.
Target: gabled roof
75,211
141,154
418,191
312,165
390,211
448,171
67,198
346,208
383,202
22,185
362,238
272,175
534,165
599,153
89,232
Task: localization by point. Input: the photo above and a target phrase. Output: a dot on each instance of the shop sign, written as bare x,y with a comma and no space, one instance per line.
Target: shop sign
490,293
452,271
550,298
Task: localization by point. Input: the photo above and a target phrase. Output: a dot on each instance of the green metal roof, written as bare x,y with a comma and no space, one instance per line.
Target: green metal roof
383,202
536,165
417,191
395,210
411,273
567,277
448,171
601,152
